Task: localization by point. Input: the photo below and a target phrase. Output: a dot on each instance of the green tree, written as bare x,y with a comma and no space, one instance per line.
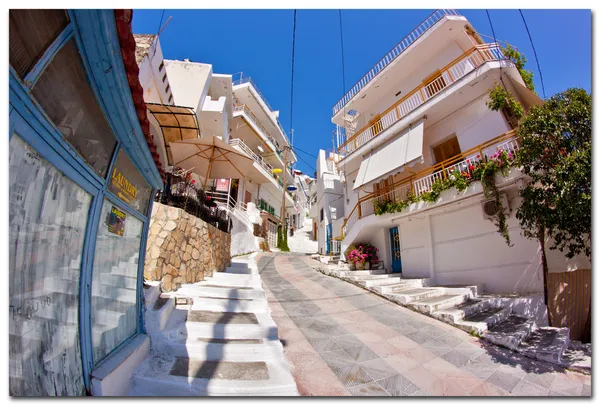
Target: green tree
519,60
556,154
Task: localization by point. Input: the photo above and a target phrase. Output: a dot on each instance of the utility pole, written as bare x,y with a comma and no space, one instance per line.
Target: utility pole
282,213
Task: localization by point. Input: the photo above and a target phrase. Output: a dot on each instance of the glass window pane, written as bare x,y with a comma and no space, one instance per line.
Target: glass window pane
114,282
30,33
48,217
128,184
65,95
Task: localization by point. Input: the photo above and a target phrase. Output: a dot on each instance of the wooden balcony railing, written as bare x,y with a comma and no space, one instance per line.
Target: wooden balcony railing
422,181
393,54
452,72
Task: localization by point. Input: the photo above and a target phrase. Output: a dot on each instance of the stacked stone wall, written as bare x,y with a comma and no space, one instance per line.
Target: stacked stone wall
182,248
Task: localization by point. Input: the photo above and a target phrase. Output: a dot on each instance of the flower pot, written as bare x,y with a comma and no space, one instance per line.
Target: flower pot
351,266
367,266
360,266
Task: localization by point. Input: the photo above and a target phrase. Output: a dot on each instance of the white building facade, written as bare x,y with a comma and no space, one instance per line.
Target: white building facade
419,114
234,110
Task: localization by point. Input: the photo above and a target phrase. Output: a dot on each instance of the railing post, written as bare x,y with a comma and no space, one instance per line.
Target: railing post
359,210
444,171
422,94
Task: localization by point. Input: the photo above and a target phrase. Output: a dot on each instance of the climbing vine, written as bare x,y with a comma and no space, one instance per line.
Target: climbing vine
500,98
482,169
519,60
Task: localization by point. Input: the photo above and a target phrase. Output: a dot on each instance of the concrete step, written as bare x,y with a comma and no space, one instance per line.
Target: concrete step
231,281
151,292
178,327
429,305
546,344
407,295
362,277
510,332
459,312
349,273
193,290
165,377
230,305
403,283
483,321
225,349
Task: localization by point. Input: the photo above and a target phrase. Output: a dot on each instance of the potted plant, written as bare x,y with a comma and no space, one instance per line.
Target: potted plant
358,259
369,252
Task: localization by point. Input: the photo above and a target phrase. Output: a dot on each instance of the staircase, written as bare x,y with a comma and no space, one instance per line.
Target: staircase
464,308
215,337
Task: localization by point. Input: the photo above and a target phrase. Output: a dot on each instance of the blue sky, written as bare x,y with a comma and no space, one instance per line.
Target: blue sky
259,43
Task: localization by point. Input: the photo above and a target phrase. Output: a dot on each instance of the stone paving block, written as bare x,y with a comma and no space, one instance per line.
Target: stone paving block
361,353
437,347
324,345
378,369
420,337
503,380
347,341
369,390
525,388
544,380
337,359
398,385
456,358
566,386
486,389
479,369
352,375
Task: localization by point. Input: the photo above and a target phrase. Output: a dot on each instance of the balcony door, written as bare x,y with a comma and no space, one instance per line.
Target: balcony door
446,150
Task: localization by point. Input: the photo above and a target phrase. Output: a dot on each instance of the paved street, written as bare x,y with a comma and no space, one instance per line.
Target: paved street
343,340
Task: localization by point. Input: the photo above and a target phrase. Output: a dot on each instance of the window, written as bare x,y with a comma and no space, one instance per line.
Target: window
66,97
170,98
127,183
30,34
114,281
164,77
167,89
446,150
48,218
161,67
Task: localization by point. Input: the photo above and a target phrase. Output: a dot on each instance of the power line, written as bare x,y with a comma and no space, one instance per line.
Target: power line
158,31
534,53
495,41
300,150
342,42
292,90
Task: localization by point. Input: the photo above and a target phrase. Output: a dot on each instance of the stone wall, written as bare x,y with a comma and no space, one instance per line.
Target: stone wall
182,248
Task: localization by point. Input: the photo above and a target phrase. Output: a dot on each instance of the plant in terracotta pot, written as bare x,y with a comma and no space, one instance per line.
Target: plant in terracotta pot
369,252
358,259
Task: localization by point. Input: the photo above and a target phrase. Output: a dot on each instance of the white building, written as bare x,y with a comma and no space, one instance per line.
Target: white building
232,108
327,208
417,115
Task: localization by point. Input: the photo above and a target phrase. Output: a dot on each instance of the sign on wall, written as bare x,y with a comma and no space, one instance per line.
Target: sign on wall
127,183
116,221
222,185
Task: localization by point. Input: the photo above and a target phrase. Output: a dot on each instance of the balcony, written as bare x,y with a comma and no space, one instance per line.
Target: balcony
393,54
450,74
422,181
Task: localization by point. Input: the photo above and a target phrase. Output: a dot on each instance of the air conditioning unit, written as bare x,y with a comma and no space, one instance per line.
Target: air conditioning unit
490,208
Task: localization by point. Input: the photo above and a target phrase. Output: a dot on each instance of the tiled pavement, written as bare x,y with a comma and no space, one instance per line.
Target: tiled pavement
343,340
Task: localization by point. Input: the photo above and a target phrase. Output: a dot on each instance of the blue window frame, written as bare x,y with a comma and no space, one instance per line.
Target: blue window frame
95,36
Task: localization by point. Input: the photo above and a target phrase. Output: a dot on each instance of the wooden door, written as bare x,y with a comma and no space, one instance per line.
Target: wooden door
446,150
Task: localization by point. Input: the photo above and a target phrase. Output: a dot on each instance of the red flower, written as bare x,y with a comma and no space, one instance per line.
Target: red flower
193,181
471,168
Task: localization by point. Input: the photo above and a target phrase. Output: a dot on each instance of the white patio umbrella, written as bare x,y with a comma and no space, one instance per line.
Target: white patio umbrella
211,158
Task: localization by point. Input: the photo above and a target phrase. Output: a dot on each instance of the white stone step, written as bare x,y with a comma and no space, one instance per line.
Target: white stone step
363,277
230,305
231,281
177,328
349,273
151,293
240,270
408,295
459,312
118,281
510,333
429,305
153,378
379,281
546,344
485,320
193,290
398,285
204,349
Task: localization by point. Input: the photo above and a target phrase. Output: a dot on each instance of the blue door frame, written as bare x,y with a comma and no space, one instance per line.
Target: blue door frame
95,34
395,249
329,233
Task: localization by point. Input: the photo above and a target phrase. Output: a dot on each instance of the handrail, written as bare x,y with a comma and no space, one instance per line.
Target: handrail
421,181
258,159
247,79
393,54
449,74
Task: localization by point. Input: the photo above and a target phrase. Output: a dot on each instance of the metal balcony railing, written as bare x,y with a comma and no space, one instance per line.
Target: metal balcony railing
422,181
451,73
236,142
393,54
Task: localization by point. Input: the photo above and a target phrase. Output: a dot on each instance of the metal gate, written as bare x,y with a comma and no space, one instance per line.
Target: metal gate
395,249
329,232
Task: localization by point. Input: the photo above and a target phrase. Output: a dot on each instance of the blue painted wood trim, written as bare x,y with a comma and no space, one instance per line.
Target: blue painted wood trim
124,206
141,262
85,289
96,33
32,77
33,114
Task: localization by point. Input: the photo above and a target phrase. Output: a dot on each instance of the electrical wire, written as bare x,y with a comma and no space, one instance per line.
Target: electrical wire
158,30
343,93
305,152
292,89
496,41
534,53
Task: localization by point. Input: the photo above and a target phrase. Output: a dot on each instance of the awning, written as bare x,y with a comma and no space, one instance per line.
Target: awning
406,149
176,124
527,97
